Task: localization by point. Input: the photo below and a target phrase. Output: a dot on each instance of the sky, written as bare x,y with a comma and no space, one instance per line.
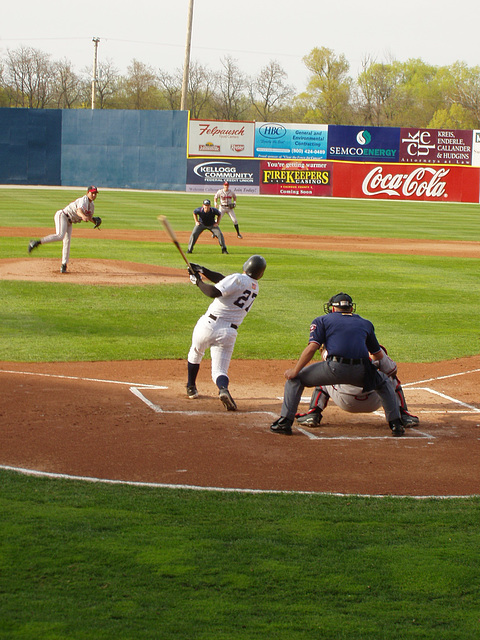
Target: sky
252,32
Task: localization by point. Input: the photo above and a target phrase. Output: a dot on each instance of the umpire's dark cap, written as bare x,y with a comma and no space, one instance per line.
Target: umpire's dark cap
341,300
206,202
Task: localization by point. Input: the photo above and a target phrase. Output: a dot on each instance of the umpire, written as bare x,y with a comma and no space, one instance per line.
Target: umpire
348,339
206,217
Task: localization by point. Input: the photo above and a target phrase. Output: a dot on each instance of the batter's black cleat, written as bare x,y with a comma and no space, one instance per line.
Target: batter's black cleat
282,425
192,391
312,418
397,427
227,400
189,251
63,268
408,420
239,236
224,251
33,244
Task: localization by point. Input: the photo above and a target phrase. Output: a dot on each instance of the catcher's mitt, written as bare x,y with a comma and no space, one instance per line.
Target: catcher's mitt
97,221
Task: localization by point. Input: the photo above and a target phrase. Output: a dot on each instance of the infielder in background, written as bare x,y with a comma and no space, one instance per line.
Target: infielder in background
233,297
349,340
228,202
81,210
206,217
354,400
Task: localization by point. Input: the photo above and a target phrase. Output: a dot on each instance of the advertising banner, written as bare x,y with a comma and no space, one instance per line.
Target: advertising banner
273,140
205,175
476,149
360,144
219,138
294,178
436,146
396,182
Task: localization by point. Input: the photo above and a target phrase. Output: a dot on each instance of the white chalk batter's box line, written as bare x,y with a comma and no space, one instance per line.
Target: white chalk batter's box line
136,389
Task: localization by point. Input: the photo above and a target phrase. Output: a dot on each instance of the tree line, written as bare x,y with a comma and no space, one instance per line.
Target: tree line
393,93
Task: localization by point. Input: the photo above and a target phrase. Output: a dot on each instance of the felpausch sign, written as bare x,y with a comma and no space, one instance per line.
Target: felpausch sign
215,138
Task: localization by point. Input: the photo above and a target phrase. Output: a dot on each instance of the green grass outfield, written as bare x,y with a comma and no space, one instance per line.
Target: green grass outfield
89,561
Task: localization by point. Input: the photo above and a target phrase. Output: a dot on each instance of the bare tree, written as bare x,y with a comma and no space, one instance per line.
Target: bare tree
140,86
232,102
108,79
67,86
28,78
171,88
268,91
202,84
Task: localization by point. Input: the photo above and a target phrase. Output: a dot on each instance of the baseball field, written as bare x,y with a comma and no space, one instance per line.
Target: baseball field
131,512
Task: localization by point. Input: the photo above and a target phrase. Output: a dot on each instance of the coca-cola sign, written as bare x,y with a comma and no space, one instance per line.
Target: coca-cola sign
422,181
403,182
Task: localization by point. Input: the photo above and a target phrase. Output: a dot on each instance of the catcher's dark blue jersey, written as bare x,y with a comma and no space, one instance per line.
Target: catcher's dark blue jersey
344,335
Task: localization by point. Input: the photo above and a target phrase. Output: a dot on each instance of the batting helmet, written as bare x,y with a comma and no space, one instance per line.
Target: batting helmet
255,266
342,302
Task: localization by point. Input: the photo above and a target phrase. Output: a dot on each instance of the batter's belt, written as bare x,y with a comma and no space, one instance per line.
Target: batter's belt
234,326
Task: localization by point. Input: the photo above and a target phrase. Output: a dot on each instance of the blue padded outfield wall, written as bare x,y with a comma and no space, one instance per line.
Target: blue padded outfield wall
30,146
73,147
125,149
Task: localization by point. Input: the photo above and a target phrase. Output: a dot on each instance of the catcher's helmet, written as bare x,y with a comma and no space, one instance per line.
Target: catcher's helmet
255,266
341,301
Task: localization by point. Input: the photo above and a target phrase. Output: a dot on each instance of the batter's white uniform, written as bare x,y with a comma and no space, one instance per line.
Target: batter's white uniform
64,218
217,328
226,198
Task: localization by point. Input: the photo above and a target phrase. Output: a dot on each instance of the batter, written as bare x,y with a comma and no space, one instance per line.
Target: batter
233,297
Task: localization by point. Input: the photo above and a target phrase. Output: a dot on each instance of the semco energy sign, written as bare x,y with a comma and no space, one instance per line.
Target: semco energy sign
361,144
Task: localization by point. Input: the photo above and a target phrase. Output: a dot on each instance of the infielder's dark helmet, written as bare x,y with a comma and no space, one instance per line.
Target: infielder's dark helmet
341,301
255,266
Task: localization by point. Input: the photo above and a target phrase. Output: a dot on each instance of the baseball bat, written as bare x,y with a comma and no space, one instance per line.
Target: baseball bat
169,229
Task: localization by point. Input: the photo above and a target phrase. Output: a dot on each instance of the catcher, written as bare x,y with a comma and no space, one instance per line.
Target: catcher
354,400
81,210
228,202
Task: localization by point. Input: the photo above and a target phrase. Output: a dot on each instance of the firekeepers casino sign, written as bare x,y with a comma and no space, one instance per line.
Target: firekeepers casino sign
433,183
295,178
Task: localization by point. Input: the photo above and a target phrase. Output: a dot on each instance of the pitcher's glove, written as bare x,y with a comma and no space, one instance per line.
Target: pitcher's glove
97,221
232,205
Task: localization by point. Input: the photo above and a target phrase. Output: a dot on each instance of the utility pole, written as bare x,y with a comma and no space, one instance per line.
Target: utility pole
186,64
94,70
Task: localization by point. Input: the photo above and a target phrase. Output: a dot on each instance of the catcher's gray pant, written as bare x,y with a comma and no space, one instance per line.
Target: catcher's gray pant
200,228
220,336
231,213
63,228
331,372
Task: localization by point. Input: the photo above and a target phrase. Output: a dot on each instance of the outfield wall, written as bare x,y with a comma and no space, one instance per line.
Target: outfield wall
117,149
164,150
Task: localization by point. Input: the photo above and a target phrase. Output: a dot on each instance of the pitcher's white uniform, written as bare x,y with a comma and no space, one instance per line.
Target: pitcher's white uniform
217,328
64,218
